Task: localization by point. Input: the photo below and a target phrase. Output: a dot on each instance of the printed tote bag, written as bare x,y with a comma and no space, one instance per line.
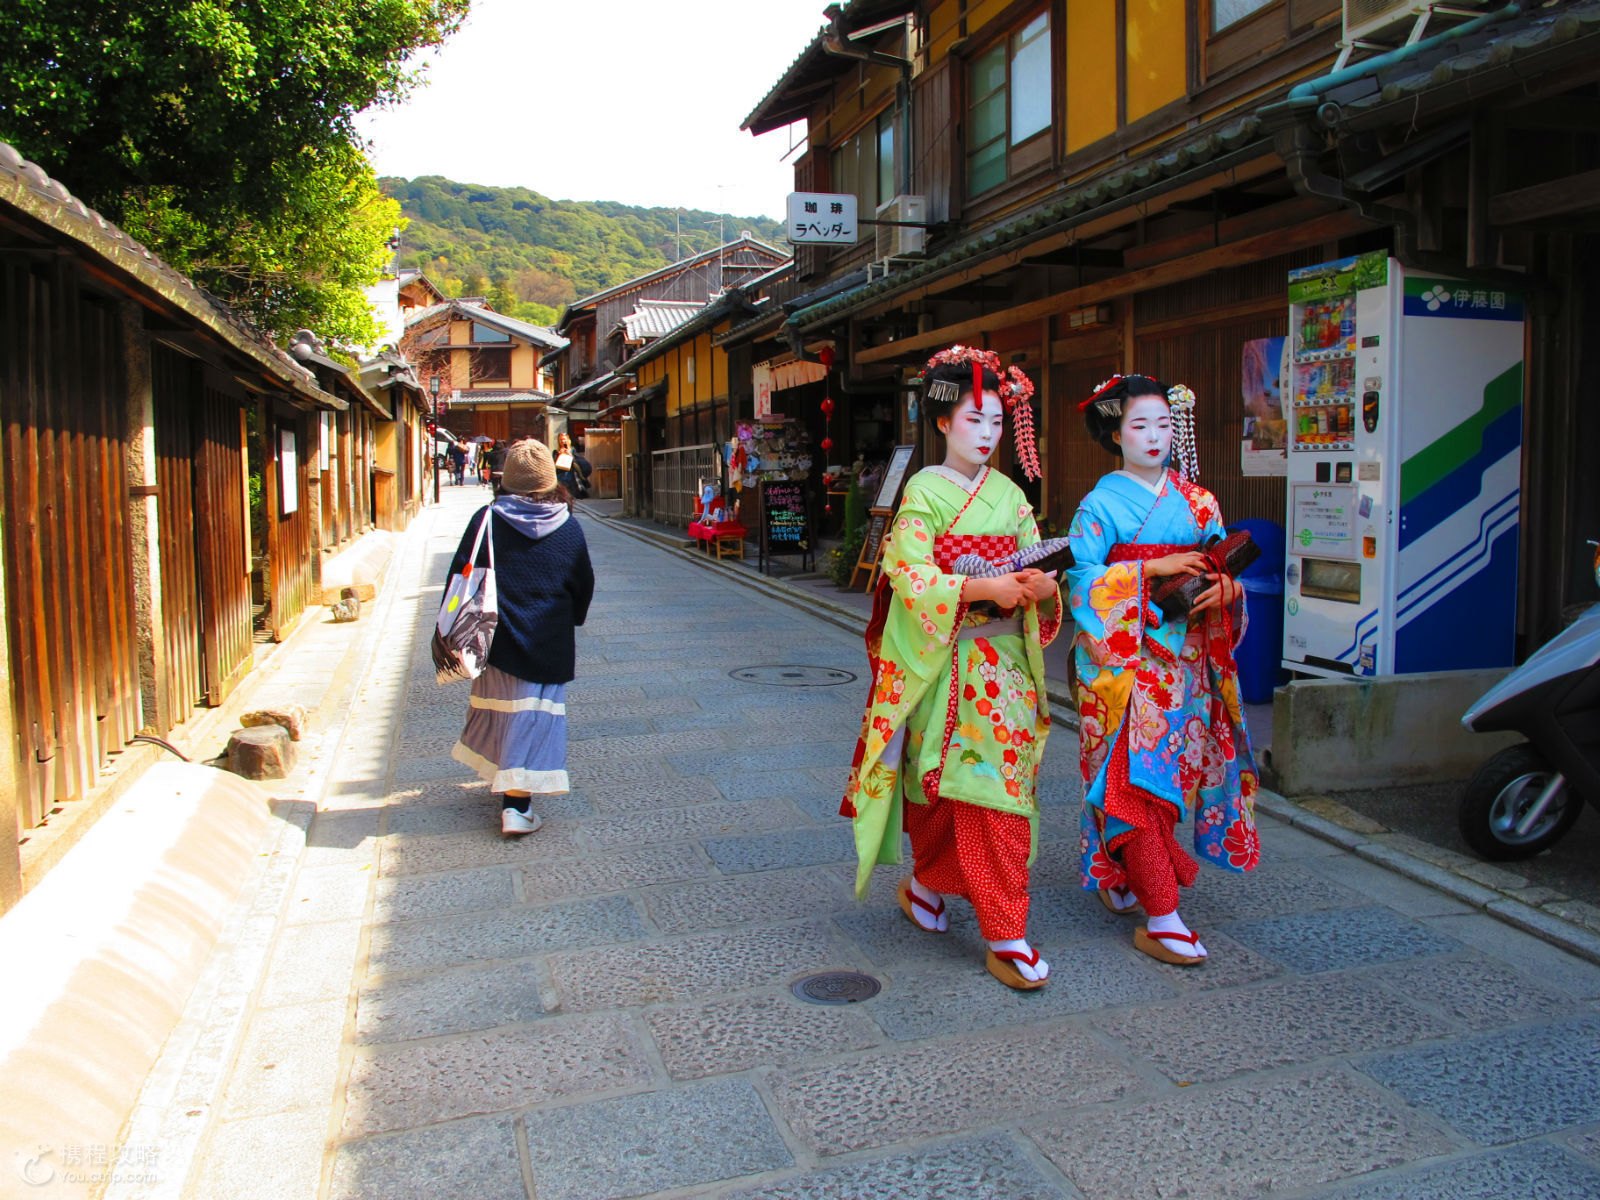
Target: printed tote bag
468,616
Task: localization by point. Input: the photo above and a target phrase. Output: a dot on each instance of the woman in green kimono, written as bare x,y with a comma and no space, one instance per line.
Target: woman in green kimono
956,720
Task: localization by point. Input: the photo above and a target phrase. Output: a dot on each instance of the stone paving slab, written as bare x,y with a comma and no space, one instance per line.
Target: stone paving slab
787,848
1504,1086
419,1083
519,932
1239,1142
936,1088
410,897
988,1168
620,870
415,854
1538,1171
702,965
635,1145
745,900
446,1002
1288,1022
770,1030
1333,939
476,1157
687,824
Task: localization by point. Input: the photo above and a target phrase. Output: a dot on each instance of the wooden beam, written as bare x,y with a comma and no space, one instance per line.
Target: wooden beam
1271,243
1271,216
1116,217
1572,194
1573,114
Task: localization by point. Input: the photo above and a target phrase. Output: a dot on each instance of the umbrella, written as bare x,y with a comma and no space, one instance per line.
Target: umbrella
482,437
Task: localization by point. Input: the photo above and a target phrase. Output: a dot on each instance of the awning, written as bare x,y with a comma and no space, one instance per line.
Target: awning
656,389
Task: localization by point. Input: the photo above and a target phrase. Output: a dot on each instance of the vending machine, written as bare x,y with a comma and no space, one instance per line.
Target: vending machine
1403,401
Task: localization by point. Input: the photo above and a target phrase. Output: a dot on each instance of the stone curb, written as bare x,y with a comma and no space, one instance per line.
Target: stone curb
1503,903
1349,831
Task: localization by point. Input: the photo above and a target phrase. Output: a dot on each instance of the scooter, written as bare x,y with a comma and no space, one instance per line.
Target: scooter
1526,797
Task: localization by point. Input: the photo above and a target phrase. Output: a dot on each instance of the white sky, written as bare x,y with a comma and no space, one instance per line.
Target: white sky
550,95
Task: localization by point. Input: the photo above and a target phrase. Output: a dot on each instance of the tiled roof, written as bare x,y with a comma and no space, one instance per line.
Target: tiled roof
1112,189
682,264
778,107
1513,47
26,187
539,335
499,396
652,318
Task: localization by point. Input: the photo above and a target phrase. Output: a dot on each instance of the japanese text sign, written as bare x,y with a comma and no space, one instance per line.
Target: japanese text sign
825,218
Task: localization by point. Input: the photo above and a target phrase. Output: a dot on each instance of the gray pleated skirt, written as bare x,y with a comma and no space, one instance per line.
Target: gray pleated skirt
516,734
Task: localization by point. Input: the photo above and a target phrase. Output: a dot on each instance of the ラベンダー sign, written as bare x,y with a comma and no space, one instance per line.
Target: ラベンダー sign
828,218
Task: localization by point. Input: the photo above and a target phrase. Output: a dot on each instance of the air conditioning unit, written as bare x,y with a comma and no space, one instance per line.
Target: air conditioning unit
902,241
1385,24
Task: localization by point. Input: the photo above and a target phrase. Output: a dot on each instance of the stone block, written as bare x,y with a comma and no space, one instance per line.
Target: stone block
746,900
624,796
755,1031
1476,991
421,1083
788,848
264,752
695,967
638,1145
1505,1086
291,716
258,1158
686,823
986,1168
288,1059
1273,888
1332,940
593,874
311,962
426,945
476,1158
935,1088
926,1001
415,853
1290,1021
1239,1142
1538,1171
446,1002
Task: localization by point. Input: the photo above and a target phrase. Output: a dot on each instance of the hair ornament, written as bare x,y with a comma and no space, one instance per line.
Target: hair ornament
1185,452
1015,390
1106,406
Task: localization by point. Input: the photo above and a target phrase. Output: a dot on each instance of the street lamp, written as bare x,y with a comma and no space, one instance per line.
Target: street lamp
433,450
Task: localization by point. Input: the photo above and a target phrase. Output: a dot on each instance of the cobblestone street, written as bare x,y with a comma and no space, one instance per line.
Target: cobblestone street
604,1008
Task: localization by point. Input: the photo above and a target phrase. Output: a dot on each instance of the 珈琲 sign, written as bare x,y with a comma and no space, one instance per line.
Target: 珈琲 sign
825,218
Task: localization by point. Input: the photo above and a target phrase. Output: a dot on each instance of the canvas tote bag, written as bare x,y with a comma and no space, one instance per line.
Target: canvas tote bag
468,616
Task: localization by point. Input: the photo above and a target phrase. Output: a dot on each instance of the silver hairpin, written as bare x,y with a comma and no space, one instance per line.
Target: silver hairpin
944,391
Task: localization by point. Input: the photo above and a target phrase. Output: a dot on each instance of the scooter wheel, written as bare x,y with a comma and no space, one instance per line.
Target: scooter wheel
1498,795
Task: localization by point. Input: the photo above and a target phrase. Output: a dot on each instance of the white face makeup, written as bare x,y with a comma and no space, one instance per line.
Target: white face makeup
1146,433
972,432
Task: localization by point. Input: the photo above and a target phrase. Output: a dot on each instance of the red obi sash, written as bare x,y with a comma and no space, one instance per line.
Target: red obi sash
1140,552
993,547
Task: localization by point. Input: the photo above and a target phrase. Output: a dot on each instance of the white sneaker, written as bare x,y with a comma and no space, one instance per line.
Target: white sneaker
514,822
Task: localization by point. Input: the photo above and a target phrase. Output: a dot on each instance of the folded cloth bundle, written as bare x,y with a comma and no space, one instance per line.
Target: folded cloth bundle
1046,556
1175,595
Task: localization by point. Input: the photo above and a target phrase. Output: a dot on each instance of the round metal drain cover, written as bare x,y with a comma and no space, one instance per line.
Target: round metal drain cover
789,675
836,987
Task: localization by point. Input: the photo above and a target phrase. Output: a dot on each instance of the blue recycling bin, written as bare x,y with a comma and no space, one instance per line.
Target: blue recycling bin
1260,654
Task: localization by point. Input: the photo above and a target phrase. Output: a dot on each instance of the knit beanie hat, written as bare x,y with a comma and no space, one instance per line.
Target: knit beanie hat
529,469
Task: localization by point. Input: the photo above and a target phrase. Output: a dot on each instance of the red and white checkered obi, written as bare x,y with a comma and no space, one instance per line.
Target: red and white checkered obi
993,547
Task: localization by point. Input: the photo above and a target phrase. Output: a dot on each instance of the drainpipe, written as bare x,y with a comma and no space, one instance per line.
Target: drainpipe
836,42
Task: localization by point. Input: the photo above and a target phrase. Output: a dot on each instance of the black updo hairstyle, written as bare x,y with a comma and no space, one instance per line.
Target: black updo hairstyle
936,391
1103,415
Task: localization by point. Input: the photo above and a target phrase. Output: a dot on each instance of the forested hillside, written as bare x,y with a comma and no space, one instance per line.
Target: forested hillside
530,254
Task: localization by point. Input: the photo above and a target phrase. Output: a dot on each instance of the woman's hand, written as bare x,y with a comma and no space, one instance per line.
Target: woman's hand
1187,562
1222,594
1005,590
1037,584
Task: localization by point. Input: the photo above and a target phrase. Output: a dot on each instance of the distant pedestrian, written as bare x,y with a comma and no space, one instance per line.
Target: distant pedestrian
458,463
572,469
495,461
516,732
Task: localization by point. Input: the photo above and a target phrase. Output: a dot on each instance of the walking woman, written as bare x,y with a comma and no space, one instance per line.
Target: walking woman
1162,736
956,718
516,732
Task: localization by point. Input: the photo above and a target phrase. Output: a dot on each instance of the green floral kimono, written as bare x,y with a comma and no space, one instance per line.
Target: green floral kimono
966,689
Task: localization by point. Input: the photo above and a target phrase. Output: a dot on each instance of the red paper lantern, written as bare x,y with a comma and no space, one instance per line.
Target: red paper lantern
827,406
827,444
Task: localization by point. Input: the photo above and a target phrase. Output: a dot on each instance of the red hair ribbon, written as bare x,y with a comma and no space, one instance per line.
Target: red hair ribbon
1101,390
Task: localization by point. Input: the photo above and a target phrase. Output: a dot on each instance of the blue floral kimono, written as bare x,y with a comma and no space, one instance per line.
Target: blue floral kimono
1163,693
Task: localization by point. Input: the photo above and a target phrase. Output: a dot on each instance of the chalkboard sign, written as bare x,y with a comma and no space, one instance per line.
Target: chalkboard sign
785,521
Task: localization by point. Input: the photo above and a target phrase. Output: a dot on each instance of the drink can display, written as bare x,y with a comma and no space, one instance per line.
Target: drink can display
1347,322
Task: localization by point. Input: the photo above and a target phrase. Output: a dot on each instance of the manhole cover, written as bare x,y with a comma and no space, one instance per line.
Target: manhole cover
789,675
836,987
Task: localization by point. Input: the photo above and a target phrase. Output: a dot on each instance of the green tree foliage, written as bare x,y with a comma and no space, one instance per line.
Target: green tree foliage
223,133
547,253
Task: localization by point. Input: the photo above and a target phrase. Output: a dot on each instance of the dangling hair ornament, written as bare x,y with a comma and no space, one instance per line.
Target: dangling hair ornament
1015,390
1106,406
1184,450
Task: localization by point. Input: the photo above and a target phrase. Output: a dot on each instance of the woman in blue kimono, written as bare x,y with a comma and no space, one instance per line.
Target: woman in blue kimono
1162,735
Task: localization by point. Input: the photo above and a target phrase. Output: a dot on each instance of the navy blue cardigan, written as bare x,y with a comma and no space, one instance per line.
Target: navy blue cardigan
544,587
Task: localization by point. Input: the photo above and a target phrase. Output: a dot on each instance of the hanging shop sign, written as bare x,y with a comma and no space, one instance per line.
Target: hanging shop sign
822,218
